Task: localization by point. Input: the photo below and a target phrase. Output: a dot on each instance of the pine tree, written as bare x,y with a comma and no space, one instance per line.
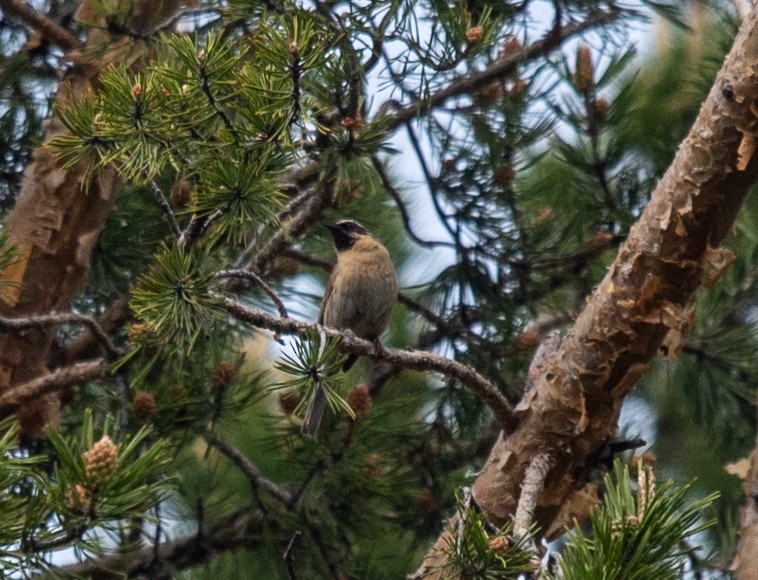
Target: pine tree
555,204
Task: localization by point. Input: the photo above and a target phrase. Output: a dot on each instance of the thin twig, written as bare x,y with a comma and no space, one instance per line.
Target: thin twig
499,69
253,277
57,319
48,28
289,559
160,198
416,360
402,209
253,474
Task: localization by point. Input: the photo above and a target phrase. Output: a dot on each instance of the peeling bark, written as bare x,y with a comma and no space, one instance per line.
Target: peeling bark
55,223
745,563
573,408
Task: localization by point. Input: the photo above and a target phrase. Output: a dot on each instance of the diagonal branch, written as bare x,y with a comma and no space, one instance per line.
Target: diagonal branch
251,471
498,70
415,360
49,29
17,397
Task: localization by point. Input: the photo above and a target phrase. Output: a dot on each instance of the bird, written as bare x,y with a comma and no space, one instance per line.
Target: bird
359,297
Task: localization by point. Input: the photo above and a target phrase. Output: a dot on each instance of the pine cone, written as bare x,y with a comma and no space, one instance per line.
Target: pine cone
144,406
359,400
77,498
223,375
100,462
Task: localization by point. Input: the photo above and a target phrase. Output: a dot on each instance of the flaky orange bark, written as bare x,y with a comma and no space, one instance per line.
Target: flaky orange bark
642,306
55,224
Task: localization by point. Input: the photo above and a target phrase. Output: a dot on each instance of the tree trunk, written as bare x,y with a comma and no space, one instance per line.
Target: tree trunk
641,308
55,224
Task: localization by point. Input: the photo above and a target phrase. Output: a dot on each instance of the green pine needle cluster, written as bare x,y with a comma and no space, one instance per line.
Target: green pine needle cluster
636,536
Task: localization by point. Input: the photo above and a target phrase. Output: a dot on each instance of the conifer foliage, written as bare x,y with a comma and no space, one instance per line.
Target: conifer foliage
507,154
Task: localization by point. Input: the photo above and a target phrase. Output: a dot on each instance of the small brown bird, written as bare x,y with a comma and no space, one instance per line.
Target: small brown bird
360,295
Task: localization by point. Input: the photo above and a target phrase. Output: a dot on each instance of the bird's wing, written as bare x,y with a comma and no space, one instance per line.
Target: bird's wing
327,295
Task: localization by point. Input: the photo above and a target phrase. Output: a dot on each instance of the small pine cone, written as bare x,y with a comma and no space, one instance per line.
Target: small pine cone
544,215
284,267
600,108
511,47
78,498
137,331
143,405
101,460
425,501
136,90
288,401
223,375
372,466
474,35
181,194
583,75
499,544
528,339
519,88
505,174
648,458
359,400
488,95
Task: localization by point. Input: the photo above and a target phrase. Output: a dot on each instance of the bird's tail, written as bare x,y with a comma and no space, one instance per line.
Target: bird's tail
314,412
348,364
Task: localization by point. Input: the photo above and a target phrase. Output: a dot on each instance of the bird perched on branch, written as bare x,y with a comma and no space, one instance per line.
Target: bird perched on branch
360,295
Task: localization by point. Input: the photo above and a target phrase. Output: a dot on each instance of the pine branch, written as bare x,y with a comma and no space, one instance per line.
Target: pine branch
48,28
17,397
415,360
160,199
498,70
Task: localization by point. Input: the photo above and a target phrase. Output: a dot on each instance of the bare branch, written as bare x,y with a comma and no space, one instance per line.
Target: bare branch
48,28
416,360
18,396
253,277
534,481
56,319
253,474
162,202
239,530
85,345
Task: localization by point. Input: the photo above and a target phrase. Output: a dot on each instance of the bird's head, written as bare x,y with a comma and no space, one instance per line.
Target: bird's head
346,233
